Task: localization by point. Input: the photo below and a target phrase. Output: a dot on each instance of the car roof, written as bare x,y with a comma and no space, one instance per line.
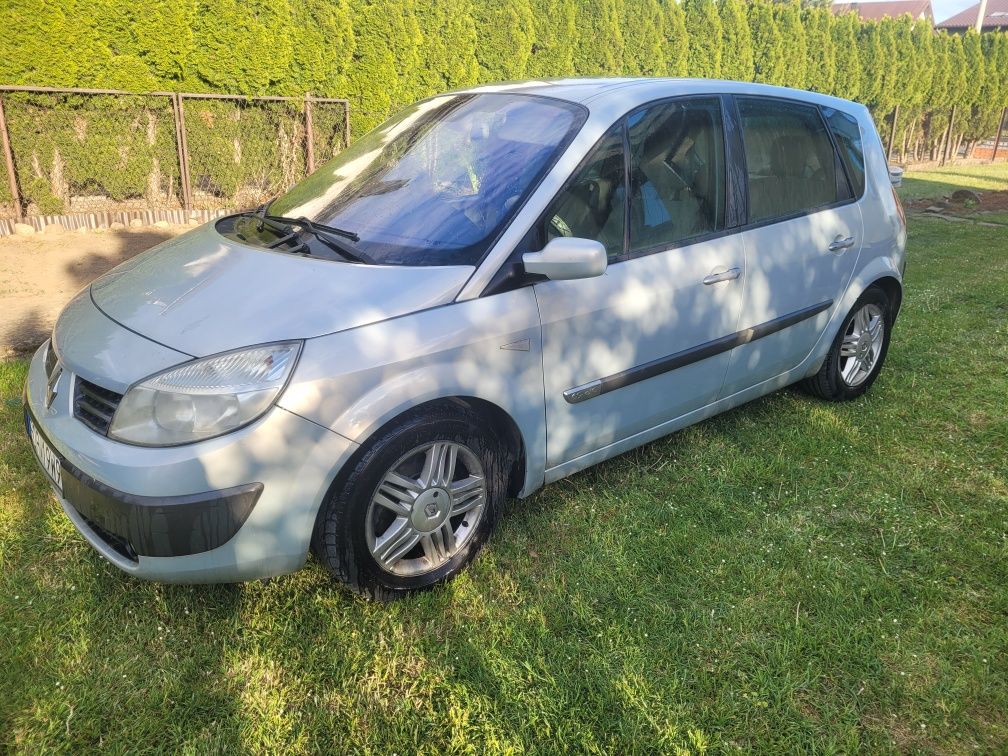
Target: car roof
631,92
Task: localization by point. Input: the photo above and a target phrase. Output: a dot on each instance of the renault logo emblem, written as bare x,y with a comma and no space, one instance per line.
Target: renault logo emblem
51,386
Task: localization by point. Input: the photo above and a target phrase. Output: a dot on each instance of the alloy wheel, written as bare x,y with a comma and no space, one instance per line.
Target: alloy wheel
426,508
862,345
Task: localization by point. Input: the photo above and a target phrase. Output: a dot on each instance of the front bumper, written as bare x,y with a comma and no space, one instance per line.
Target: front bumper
238,507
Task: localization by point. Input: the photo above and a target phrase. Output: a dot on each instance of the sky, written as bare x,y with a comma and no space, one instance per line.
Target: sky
945,8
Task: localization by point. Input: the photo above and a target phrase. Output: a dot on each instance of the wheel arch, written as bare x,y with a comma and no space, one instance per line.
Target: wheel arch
893,289
505,429
502,426
880,273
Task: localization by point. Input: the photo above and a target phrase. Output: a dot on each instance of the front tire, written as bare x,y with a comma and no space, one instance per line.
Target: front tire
858,351
415,507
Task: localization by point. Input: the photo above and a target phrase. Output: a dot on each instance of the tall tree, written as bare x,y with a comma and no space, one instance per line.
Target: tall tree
795,54
768,44
505,34
939,99
323,46
387,39
676,39
922,39
447,53
888,95
959,74
873,61
847,79
556,39
703,22
231,57
820,75
737,47
601,54
643,36
975,64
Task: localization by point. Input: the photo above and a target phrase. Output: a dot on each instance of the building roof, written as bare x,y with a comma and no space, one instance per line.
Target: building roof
995,18
918,9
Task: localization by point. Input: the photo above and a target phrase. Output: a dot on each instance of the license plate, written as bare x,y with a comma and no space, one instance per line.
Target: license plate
47,458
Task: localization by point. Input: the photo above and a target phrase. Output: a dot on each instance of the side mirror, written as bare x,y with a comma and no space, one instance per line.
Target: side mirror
895,175
567,258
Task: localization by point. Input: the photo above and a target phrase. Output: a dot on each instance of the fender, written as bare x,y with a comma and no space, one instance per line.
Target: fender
490,348
875,269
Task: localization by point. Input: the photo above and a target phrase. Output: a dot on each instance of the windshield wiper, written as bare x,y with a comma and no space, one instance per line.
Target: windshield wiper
315,227
261,214
325,235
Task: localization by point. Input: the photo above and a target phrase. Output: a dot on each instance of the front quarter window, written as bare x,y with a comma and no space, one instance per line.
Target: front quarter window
436,184
592,205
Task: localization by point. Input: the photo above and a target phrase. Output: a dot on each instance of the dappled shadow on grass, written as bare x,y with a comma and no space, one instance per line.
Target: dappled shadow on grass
792,575
719,586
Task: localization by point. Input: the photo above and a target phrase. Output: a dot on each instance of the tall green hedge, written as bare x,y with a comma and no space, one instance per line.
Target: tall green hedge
382,54
600,22
768,45
737,43
555,38
644,39
703,24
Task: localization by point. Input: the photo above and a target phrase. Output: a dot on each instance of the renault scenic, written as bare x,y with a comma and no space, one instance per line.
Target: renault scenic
492,290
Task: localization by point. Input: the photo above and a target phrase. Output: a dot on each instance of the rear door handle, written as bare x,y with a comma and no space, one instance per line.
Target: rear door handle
727,275
839,244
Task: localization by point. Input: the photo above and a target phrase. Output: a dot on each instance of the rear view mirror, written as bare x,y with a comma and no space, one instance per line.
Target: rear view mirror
567,258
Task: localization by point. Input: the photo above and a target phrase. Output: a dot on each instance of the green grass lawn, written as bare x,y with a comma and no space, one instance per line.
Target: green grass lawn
938,182
790,575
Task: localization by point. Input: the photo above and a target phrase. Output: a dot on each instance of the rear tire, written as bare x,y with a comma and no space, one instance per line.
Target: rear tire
415,507
858,351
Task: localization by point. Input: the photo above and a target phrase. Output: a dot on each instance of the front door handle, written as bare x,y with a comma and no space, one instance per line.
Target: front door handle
728,275
840,244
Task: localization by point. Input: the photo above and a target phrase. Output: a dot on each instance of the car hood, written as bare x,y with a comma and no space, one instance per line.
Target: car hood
201,293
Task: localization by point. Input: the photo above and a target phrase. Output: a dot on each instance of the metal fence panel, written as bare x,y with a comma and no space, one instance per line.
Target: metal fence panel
242,152
330,129
92,152
100,152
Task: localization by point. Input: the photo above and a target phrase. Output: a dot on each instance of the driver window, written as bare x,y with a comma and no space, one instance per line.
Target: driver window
592,204
677,172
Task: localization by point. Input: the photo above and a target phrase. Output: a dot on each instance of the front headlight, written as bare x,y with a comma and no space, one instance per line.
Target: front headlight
204,398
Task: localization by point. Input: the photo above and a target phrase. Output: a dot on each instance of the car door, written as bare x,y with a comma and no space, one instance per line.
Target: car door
628,350
801,242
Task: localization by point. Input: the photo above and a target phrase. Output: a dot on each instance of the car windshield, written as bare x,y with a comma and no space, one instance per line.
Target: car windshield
436,184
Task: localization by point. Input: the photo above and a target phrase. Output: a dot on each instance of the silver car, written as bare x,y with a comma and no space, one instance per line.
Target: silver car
492,290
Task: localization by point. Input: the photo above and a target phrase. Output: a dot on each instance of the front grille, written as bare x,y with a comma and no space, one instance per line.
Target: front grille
94,406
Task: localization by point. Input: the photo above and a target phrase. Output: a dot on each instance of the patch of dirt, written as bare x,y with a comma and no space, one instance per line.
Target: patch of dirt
40,273
996,201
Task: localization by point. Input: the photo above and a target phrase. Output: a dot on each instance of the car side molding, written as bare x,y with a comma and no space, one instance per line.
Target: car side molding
686,357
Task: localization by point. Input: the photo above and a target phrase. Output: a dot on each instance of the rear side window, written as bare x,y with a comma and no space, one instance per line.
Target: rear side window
847,134
791,165
677,172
